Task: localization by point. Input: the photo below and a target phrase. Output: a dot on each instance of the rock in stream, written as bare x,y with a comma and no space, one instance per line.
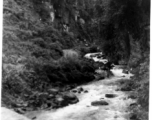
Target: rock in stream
110,95
99,103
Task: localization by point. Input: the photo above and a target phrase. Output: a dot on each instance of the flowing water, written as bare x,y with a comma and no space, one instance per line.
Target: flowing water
83,110
117,109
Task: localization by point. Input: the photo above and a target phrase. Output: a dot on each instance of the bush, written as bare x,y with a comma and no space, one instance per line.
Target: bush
139,62
38,74
93,49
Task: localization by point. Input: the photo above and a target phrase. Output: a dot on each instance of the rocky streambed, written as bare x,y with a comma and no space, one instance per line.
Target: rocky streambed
97,100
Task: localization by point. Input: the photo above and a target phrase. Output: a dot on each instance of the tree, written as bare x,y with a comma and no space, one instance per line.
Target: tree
124,18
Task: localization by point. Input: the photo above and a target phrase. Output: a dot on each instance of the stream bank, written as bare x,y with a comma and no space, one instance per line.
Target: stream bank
96,100
117,107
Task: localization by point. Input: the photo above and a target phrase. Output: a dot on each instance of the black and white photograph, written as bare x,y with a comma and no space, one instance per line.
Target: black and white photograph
75,60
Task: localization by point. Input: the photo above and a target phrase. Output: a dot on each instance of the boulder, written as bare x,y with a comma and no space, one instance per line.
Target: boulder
133,104
59,99
19,110
51,96
108,66
34,118
80,89
79,92
43,95
97,64
132,96
69,53
118,89
86,91
19,105
45,105
53,90
110,95
126,88
25,104
67,88
99,77
74,91
49,103
133,117
70,98
69,95
109,73
101,72
99,103
41,99
99,57
93,55
125,71
74,101
61,102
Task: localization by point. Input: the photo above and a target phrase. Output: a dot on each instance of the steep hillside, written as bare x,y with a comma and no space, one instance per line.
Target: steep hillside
32,54
44,43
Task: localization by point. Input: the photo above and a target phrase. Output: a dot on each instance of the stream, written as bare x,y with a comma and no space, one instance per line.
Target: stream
83,110
117,108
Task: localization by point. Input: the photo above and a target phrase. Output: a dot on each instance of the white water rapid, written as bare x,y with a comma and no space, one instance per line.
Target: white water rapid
83,110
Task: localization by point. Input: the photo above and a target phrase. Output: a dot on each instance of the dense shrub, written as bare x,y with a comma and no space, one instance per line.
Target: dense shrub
33,52
38,74
139,63
93,48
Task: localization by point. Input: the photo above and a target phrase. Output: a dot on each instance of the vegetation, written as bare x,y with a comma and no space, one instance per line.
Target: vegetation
33,44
